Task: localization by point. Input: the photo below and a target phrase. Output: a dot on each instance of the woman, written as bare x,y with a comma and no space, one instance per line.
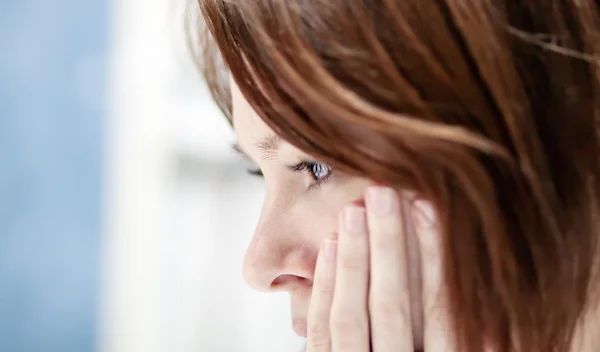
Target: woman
459,141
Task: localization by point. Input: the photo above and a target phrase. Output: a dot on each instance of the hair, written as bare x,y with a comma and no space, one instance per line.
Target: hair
487,108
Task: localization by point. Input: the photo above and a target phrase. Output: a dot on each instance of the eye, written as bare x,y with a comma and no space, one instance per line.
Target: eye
251,167
255,172
317,171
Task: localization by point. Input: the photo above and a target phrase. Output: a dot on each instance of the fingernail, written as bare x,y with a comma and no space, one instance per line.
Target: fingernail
354,219
382,200
423,214
330,249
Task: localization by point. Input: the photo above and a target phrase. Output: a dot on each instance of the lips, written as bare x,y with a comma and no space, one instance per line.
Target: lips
299,326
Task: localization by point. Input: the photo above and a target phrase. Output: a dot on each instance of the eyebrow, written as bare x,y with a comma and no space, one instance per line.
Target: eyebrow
268,147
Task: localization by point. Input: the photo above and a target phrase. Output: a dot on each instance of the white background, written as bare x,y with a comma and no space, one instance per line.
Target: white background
180,209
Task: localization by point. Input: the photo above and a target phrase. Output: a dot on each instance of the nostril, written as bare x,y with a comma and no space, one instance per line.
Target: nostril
287,280
283,280
359,202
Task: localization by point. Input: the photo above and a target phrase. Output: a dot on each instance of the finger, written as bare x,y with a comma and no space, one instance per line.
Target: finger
318,337
349,315
438,336
389,295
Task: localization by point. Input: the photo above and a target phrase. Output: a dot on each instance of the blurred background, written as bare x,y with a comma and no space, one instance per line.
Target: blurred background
124,215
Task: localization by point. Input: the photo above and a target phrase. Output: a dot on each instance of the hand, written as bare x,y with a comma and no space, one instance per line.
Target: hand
361,299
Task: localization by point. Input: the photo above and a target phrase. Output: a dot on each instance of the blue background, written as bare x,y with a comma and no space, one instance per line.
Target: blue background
52,73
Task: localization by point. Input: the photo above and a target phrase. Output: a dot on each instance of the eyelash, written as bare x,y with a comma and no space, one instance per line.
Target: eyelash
313,169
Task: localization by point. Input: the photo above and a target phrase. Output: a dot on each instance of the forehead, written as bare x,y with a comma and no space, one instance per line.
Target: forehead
248,126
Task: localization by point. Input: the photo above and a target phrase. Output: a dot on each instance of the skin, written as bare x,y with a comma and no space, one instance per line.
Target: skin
361,274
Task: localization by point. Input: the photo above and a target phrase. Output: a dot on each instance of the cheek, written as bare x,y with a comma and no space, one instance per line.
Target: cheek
322,208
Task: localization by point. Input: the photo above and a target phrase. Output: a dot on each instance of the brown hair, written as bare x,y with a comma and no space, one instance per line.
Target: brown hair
489,108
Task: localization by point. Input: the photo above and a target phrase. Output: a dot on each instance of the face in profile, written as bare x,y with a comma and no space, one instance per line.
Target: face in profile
302,201
301,206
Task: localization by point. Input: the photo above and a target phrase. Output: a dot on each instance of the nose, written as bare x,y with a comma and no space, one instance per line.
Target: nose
278,258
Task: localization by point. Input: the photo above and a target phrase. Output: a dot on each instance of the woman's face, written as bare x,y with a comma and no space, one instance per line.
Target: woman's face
302,201
301,206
